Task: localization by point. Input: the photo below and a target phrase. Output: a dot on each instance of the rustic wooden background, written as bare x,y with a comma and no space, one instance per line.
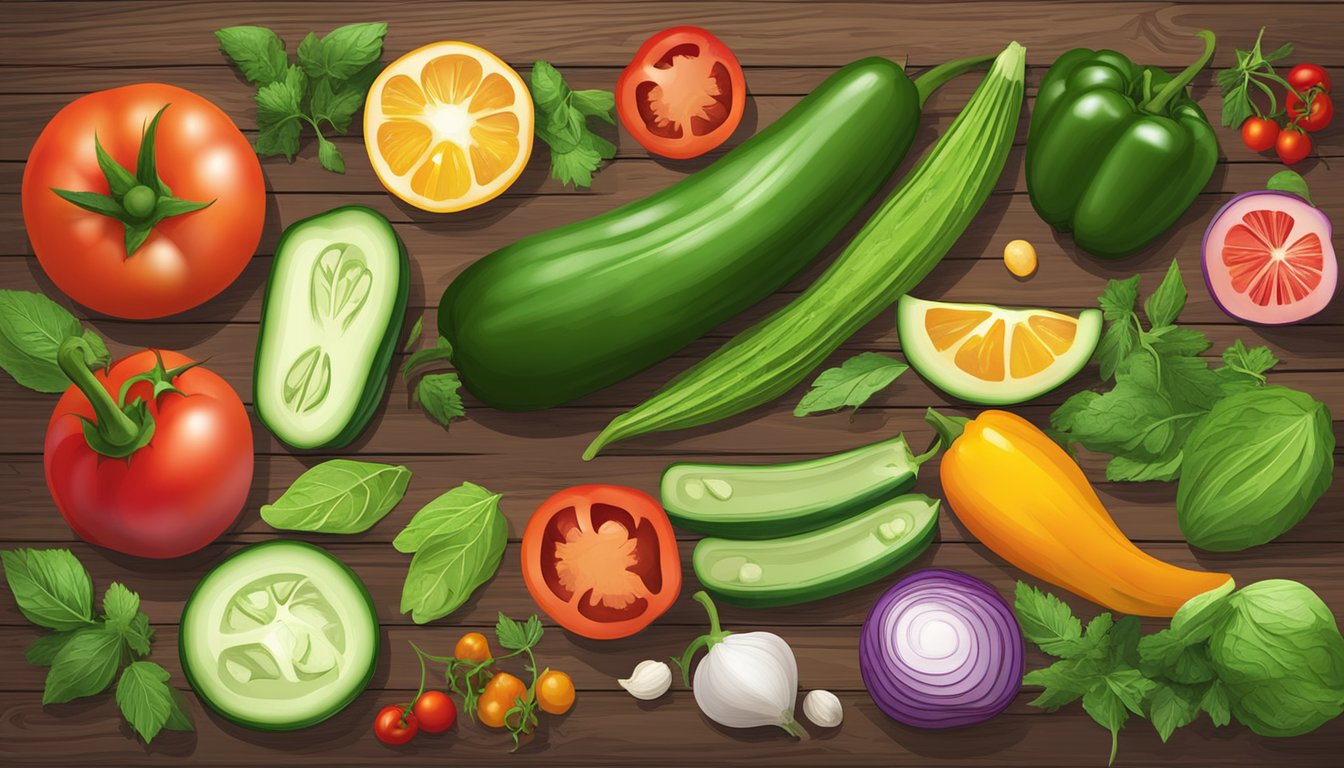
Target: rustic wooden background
55,51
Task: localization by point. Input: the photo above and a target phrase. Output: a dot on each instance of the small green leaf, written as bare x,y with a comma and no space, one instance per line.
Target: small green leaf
84,666
447,569
119,180
93,203
32,328
329,156
517,636
1291,182
343,51
339,496
463,508
1216,703
42,651
145,698
136,235
850,385
120,604
438,394
1165,304
280,138
442,351
1047,621
414,335
257,51
146,167
1171,707
1106,708
50,586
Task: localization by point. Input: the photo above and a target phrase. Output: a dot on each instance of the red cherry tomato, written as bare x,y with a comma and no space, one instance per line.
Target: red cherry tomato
169,496
1315,116
1259,133
435,711
200,156
1306,76
683,94
1292,146
390,727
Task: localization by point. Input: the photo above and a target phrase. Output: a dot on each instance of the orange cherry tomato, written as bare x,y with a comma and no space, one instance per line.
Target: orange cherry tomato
555,692
472,647
601,560
499,696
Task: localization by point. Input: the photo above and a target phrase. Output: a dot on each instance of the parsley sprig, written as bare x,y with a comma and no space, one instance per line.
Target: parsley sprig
562,122
326,86
1253,69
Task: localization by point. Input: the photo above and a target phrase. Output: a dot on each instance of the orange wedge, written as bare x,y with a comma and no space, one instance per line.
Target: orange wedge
991,355
448,126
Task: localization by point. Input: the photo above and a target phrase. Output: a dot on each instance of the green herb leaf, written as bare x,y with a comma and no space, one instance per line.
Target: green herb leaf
1119,299
466,507
50,586
441,352
120,605
1171,707
850,385
103,205
32,328
145,698
336,106
339,496
601,104
329,156
42,651
1047,622
258,53
438,394
515,636
1106,708
344,51
281,138
1122,469
86,665
1291,182
119,180
279,104
414,335
1215,702
562,123
1166,303
1064,683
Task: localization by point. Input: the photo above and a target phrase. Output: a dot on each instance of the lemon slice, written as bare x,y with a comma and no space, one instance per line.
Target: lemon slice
448,126
991,355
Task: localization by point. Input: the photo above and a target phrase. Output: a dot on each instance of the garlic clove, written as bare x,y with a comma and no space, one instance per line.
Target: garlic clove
650,680
823,708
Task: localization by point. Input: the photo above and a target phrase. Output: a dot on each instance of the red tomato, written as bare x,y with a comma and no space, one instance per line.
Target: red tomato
170,496
683,94
1307,76
601,560
435,712
390,727
1292,146
1313,117
186,259
1259,133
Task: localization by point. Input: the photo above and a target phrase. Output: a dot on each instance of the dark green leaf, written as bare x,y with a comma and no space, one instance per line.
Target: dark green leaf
1122,469
171,206
336,107
1119,299
1216,703
257,51
146,167
136,235
281,100
329,156
93,203
280,138
338,496
1047,621
517,636
442,351
1171,707
1106,708
85,666
438,394
600,104
32,328
1291,182
414,335
549,91
1171,341
1165,304
145,698
850,385
50,586
42,651
119,180
344,51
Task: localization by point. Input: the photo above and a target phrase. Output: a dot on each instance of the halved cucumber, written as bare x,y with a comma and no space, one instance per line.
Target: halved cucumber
333,310
822,563
993,355
279,636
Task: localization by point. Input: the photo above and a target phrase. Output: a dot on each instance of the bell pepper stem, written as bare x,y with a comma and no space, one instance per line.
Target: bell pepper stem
934,78
116,429
1158,103
949,428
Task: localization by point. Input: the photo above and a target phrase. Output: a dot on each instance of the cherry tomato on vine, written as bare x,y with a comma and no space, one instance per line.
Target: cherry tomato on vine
555,692
1311,117
501,693
434,711
1259,133
1292,146
390,727
472,647
1305,76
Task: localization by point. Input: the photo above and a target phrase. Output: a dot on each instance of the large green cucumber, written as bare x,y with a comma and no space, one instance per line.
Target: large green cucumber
334,306
565,312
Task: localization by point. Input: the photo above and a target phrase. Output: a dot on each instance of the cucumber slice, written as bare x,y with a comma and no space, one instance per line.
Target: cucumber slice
819,564
758,502
333,311
279,636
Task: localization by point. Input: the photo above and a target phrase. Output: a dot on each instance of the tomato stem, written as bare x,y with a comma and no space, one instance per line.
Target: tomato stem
117,430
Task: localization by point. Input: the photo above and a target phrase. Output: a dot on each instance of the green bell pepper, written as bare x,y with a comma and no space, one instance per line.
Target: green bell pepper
1116,151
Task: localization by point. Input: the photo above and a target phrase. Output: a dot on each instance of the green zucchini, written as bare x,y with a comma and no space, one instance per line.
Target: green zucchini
759,502
819,564
907,236
566,312
334,306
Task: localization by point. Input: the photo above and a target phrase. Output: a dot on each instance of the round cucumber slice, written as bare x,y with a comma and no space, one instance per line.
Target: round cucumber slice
279,636
991,355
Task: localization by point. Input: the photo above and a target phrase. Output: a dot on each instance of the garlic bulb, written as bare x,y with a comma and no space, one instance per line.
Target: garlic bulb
745,680
823,708
650,680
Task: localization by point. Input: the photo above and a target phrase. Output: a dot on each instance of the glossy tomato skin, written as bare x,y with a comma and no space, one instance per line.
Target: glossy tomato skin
435,711
1314,117
1292,146
187,259
685,83
1259,133
1305,76
600,520
389,727
174,495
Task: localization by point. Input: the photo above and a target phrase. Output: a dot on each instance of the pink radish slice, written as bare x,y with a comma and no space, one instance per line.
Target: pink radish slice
1268,258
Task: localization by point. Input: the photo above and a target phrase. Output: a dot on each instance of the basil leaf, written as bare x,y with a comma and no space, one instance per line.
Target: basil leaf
32,328
1292,182
50,586
465,507
1166,303
344,51
338,496
42,652
84,667
258,52
849,386
145,698
448,567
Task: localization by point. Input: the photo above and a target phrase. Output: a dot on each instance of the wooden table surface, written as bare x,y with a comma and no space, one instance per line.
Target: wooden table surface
55,51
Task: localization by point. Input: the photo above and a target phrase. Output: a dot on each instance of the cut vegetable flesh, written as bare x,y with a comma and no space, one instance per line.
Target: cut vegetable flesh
279,636
600,561
1268,258
992,355
448,126
337,286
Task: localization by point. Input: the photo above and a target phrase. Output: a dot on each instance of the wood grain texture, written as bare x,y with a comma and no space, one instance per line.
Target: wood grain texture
55,51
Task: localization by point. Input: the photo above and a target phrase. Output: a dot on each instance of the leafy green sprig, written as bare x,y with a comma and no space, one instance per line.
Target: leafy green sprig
562,122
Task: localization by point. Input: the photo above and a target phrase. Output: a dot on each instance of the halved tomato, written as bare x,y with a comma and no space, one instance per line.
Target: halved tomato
601,560
683,94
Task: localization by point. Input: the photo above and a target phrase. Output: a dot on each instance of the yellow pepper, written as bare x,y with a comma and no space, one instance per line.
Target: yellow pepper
1022,496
